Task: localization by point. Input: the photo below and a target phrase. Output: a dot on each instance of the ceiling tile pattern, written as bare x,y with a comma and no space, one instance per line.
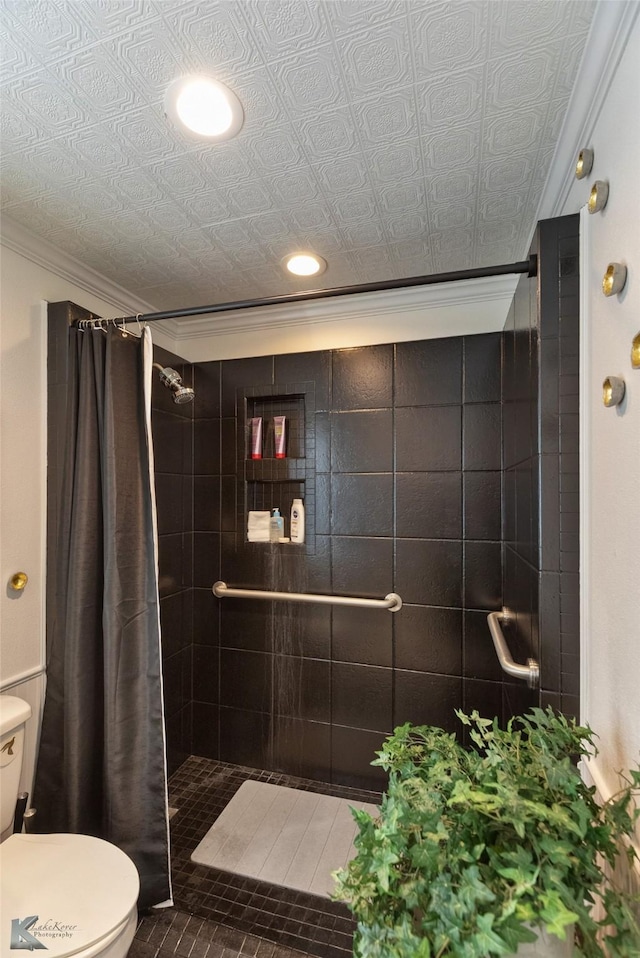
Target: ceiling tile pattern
394,138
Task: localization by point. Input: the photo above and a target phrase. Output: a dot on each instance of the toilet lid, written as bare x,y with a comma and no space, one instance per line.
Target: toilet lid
65,891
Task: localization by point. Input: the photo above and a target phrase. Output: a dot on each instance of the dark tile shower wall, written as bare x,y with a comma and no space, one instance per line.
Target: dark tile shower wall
541,476
175,489
406,476
403,473
559,462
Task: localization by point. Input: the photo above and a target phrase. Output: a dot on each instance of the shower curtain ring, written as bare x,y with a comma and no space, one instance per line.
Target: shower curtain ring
140,325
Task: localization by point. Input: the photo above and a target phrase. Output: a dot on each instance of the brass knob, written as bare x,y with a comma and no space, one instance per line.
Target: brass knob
635,352
18,581
584,164
598,196
614,279
613,390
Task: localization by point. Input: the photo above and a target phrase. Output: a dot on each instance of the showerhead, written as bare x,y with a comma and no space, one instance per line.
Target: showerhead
173,380
183,394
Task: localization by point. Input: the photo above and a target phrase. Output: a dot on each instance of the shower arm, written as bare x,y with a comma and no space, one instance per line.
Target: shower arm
392,601
529,673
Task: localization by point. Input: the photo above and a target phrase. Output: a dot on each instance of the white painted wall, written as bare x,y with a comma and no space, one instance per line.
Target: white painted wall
611,437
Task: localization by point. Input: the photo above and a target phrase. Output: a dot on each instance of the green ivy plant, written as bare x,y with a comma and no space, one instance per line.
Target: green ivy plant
475,847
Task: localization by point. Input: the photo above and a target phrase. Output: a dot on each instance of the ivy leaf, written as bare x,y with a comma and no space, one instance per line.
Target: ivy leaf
555,915
487,939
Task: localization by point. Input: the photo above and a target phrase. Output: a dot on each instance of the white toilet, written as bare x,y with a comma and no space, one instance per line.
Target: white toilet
68,894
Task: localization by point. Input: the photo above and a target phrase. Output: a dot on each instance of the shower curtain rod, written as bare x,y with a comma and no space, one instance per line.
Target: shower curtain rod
528,266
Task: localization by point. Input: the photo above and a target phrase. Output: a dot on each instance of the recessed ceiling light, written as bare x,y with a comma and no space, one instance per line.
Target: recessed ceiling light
305,264
204,107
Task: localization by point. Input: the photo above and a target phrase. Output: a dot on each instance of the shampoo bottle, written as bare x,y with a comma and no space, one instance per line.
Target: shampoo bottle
297,521
276,526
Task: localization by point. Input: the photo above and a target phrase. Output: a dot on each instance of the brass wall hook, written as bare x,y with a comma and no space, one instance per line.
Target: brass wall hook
613,390
598,196
614,279
584,164
18,581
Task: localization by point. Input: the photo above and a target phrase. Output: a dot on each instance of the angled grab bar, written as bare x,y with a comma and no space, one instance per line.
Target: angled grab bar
529,673
392,601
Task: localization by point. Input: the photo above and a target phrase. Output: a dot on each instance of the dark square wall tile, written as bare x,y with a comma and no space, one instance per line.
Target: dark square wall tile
244,737
206,504
206,616
482,505
206,559
205,730
352,751
246,624
429,372
175,622
314,631
362,566
171,563
484,697
480,659
483,575
482,368
176,681
306,367
229,451
482,436
363,378
302,688
239,374
362,505
429,505
206,447
428,639
428,438
362,635
245,680
362,441
429,571
424,699
302,748
323,442
170,504
206,382
205,674
243,564
324,483
361,696
229,519
172,442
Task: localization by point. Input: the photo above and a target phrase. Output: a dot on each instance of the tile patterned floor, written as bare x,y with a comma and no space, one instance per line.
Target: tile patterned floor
221,915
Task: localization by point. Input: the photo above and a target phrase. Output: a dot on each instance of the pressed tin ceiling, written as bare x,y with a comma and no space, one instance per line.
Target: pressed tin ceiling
392,138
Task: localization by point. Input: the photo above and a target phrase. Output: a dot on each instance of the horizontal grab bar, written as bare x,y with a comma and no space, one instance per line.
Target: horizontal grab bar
530,673
392,602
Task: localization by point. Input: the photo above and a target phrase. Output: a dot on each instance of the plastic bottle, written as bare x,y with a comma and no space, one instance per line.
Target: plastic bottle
276,526
297,521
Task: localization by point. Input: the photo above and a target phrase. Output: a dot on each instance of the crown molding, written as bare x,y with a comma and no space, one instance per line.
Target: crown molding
352,307
610,29
409,303
22,241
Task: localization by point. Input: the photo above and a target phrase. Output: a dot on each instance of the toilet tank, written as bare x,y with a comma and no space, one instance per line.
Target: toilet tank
14,712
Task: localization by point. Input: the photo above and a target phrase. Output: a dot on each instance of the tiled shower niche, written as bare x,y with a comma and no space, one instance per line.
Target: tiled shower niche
268,483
